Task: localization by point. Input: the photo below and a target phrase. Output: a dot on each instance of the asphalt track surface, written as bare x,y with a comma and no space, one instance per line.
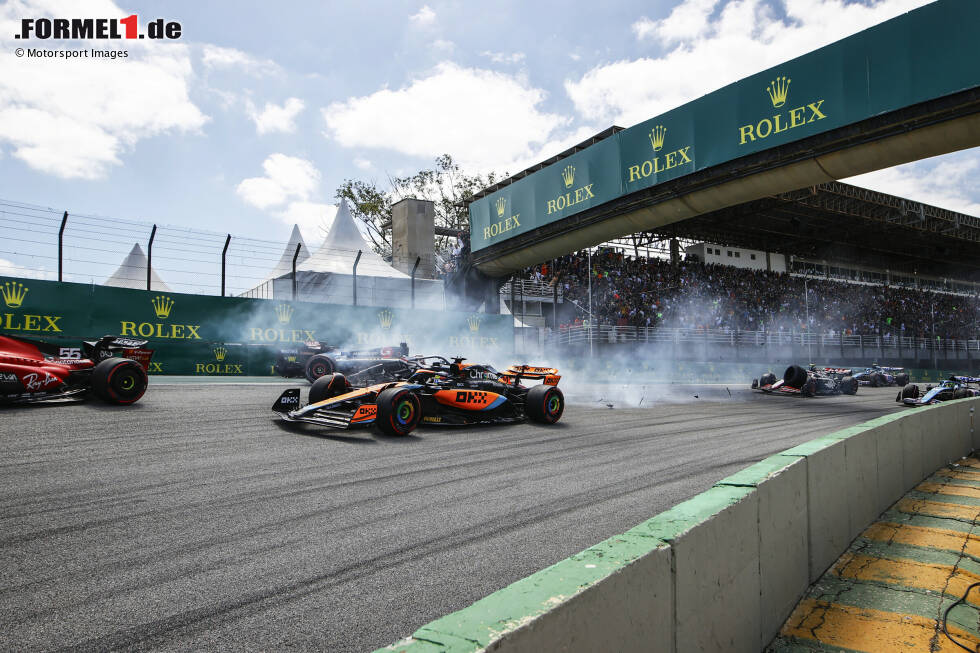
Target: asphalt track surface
193,520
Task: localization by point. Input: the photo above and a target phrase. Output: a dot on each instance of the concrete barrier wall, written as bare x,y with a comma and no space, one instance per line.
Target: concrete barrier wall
723,570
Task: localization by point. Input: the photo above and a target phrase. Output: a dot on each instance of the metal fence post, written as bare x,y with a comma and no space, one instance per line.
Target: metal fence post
356,261
149,256
224,255
61,242
295,256
418,259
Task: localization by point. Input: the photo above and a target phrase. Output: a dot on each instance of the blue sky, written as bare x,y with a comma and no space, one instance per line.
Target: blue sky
252,118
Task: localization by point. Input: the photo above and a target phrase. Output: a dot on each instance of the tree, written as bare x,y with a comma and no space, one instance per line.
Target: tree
446,185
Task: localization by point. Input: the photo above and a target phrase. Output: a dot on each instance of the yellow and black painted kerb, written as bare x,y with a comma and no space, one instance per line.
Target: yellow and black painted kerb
890,589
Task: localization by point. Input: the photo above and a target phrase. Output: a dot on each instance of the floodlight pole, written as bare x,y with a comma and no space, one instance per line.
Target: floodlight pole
356,261
61,242
591,354
224,254
806,332
295,256
149,256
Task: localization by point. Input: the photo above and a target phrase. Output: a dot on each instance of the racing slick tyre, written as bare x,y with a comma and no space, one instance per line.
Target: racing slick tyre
755,384
795,376
960,393
901,380
544,404
399,411
119,380
767,379
809,389
910,391
849,385
317,366
327,386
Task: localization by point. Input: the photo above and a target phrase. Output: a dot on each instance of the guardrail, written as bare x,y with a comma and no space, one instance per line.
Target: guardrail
606,333
532,289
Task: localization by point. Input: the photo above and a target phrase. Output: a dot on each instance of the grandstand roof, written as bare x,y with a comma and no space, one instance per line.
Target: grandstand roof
841,222
339,251
132,273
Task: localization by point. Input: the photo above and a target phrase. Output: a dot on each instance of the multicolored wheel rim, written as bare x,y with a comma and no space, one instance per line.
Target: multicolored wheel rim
552,406
319,370
405,412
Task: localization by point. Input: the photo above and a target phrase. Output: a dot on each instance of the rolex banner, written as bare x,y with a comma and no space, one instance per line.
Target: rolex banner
887,67
199,334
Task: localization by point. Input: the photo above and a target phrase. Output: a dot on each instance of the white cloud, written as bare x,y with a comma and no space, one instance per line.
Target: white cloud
217,57
448,111
11,269
75,118
503,57
714,43
362,163
314,219
287,179
276,118
425,16
948,182
443,45
687,21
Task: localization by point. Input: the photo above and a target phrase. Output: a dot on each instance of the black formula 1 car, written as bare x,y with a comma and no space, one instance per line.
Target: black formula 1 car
877,376
808,382
955,387
32,371
438,392
315,359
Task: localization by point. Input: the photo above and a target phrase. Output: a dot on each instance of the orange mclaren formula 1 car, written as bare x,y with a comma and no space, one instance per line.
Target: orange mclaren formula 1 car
437,392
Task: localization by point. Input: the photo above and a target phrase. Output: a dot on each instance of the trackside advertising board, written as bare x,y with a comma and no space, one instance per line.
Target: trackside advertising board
925,54
198,334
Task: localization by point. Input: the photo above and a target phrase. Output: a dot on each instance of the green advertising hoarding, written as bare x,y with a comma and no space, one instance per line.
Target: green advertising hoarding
925,54
198,334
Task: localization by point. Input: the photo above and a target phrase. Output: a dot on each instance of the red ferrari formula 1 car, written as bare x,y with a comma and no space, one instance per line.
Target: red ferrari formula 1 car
32,371
438,392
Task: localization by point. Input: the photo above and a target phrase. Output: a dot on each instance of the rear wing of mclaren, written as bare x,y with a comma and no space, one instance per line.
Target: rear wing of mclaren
514,374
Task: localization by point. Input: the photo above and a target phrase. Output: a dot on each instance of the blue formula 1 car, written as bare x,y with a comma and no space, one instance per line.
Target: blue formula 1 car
955,387
877,376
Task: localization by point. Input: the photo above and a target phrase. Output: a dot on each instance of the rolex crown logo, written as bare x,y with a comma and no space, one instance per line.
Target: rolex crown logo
474,322
13,293
284,312
657,135
778,89
162,305
220,353
568,176
501,206
386,317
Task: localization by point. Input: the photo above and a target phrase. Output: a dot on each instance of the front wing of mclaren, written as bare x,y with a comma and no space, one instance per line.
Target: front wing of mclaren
351,410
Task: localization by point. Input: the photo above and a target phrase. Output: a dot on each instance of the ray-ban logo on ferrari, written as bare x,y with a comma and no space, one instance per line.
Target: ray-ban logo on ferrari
76,29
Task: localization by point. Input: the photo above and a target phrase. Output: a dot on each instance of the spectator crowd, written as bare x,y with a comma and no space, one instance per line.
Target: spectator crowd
651,292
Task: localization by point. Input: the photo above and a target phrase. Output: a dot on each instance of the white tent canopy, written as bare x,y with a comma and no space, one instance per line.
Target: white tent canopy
339,250
132,273
285,265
